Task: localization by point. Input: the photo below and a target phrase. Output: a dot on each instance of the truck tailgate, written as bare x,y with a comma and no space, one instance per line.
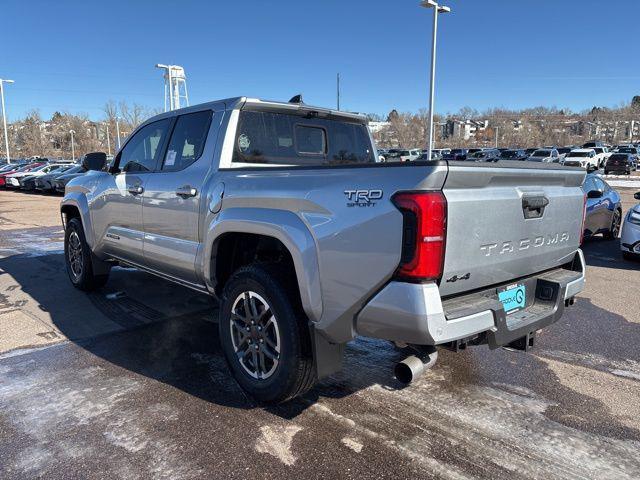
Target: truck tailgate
508,220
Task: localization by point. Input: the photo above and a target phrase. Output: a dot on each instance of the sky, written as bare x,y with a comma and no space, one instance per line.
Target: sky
74,56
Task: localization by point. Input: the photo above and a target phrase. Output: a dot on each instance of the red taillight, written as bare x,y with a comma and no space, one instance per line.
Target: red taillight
425,229
584,217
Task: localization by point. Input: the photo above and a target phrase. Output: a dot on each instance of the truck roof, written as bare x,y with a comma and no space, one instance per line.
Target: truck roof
256,103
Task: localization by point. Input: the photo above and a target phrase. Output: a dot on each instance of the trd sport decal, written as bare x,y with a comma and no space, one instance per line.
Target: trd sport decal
363,198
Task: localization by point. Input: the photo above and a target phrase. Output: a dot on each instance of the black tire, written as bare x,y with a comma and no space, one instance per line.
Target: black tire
257,373
606,172
78,259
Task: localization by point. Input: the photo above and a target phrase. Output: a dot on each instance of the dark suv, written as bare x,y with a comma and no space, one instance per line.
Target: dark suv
620,162
517,154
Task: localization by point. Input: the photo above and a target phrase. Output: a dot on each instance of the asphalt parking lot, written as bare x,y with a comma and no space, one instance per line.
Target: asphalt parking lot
130,383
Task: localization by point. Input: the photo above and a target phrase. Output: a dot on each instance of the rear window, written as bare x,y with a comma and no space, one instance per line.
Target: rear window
618,158
579,154
283,139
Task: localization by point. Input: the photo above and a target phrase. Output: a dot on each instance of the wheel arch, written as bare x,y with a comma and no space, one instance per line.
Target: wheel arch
75,205
283,227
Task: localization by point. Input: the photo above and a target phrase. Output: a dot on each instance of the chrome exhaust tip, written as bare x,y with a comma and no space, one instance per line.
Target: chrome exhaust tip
412,367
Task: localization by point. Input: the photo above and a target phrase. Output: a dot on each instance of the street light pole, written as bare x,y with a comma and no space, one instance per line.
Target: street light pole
436,10
73,149
4,118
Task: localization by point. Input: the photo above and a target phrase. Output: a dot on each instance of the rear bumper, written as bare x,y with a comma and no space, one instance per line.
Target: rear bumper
416,314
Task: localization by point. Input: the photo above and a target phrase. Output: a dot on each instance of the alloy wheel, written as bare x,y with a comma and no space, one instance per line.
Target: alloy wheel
75,254
615,225
255,335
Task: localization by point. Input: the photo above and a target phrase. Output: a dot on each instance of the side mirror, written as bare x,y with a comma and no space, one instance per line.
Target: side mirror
94,161
595,194
637,196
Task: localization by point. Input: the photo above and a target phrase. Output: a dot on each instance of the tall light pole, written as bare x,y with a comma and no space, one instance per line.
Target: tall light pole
118,130
73,148
338,90
4,118
437,9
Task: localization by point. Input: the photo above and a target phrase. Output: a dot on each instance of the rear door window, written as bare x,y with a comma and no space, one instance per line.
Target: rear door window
292,140
187,140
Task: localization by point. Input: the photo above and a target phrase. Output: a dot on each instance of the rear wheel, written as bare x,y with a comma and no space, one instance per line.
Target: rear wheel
78,259
614,229
264,334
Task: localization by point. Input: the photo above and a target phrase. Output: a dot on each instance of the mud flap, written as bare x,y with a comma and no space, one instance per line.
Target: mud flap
327,356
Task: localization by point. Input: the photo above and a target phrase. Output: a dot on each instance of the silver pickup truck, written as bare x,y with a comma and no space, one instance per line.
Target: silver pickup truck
282,212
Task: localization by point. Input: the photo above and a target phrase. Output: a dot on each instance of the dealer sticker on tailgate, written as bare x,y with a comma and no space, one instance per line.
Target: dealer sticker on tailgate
513,298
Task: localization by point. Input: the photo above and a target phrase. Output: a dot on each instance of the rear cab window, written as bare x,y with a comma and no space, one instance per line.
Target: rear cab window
283,139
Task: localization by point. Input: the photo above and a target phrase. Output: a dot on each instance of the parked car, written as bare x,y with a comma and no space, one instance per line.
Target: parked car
603,210
545,155
27,182
45,183
5,177
485,155
582,157
60,182
624,163
307,256
410,155
456,154
517,154
630,238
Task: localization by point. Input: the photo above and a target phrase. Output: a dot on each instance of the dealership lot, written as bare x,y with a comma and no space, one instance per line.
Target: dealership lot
130,382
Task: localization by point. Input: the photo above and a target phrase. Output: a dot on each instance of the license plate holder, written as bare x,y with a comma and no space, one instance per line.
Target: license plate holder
513,297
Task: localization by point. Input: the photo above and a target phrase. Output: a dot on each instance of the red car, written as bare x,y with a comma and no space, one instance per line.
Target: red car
18,168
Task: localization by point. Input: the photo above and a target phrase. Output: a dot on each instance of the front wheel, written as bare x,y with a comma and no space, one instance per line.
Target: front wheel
264,334
78,259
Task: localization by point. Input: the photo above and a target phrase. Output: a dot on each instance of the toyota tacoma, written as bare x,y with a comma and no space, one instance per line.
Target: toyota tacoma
282,212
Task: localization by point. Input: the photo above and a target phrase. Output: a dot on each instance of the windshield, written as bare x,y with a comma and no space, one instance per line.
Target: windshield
626,150
564,150
578,154
510,154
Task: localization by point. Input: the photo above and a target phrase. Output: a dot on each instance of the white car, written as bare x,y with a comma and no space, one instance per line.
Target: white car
630,237
582,157
410,155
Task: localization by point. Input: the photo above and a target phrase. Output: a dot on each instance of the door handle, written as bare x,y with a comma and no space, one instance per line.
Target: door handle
186,191
136,189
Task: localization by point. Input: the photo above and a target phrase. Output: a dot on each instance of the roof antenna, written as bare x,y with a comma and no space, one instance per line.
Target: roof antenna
296,99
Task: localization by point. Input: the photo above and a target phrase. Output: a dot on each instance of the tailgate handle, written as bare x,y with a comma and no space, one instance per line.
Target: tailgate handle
533,205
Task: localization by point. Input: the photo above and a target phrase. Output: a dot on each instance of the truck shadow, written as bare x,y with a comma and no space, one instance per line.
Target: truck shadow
131,324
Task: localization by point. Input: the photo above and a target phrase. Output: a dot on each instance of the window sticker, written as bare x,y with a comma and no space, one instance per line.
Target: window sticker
171,158
244,142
